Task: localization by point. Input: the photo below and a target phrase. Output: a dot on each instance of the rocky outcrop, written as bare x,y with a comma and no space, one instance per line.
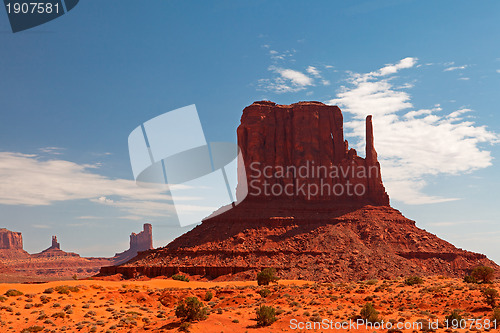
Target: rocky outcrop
298,151
142,241
11,245
54,251
10,240
313,236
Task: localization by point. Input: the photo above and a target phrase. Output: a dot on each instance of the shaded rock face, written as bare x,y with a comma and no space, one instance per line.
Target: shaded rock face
142,241
298,151
320,237
10,240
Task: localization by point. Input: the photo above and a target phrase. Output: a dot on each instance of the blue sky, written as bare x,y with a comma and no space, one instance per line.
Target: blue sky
72,90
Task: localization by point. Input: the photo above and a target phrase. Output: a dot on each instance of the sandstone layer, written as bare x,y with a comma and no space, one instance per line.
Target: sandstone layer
317,236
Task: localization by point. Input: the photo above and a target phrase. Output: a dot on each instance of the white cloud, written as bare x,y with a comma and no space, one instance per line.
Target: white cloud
297,78
393,68
412,144
454,68
313,71
288,80
498,71
30,181
51,150
464,78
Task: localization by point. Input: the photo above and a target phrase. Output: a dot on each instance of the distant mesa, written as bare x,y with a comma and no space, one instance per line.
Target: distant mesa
296,218
55,251
53,263
10,240
11,245
142,241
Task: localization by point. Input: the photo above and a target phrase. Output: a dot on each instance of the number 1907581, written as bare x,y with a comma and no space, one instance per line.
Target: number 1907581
32,8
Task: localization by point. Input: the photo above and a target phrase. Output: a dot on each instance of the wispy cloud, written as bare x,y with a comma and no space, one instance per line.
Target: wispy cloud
454,68
30,180
288,80
412,144
52,150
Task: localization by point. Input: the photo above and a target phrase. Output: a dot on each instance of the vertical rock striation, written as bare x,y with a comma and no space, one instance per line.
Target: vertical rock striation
298,151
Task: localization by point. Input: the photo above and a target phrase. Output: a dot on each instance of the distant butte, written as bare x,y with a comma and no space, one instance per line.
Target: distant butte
142,241
327,235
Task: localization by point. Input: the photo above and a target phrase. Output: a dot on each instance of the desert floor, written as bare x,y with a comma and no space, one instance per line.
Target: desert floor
134,306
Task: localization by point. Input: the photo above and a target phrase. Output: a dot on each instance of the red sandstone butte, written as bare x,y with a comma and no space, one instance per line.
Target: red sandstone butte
142,241
307,136
10,240
318,237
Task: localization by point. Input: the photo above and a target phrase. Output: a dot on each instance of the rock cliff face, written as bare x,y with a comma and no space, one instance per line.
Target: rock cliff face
298,151
10,240
305,235
142,241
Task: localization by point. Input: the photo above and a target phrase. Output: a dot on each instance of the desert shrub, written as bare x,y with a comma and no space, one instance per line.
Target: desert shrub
496,315
208,296
469,279
48,291
180,277
454,315
368,313
13,292
315,318
184,327
266,276
483,274
490,297
59,315
266,315
264,292
3,298
413,280
64,289
32,329
191,309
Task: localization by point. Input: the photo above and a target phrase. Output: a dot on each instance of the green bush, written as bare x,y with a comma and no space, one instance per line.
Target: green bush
64,289
180,277
191,309
13,292
48,291
208,296
266,276
32,329
496,315
368,313
264,292
184,327
455,314
413,280
483,274
266,315
470,279
490,297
